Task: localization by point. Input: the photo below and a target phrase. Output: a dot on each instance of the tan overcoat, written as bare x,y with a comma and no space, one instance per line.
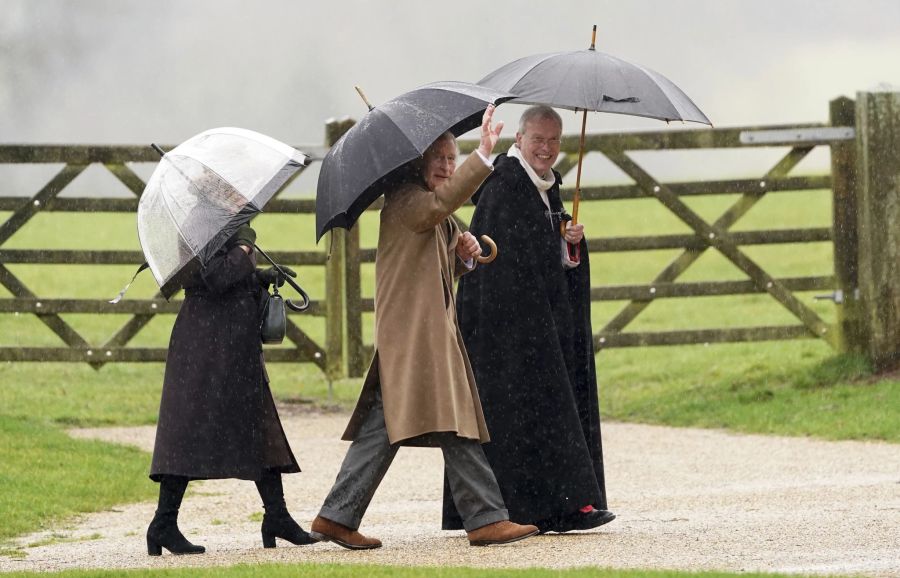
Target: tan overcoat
420,361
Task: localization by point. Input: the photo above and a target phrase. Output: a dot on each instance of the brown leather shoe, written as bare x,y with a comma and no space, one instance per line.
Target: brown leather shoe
503,532
324,530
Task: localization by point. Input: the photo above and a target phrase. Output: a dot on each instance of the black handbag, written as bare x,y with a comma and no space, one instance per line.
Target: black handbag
274,320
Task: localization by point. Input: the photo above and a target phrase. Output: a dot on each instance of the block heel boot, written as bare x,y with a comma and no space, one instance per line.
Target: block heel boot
163,531
277,522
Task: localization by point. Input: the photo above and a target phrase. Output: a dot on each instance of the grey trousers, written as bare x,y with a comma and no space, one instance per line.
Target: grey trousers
475,490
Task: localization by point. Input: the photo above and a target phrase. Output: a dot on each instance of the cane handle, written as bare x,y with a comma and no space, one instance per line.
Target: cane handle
490,243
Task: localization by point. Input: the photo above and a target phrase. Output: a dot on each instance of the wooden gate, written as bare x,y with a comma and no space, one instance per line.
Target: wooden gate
115,159
839,135
862,138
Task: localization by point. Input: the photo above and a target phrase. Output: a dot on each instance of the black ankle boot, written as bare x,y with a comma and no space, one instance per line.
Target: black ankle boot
277,522
163,531
282,525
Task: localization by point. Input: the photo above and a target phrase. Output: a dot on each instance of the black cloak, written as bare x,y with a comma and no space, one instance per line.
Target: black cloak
526,325
217,418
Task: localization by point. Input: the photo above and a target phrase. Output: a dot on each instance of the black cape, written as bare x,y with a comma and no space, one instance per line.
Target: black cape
526,324
217,418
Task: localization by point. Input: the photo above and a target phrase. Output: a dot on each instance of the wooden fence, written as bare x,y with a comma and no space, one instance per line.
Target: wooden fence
863,136
75,160
858,272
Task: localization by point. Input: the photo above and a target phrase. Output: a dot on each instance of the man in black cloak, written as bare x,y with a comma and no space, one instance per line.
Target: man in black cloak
526,323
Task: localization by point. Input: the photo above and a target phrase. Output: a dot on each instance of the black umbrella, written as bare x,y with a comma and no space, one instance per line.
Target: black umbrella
590,80
389,136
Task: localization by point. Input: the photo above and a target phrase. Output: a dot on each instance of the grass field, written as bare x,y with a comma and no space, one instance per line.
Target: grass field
795,388
47,476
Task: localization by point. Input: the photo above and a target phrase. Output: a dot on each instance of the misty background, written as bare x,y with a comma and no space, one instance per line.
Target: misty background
133,72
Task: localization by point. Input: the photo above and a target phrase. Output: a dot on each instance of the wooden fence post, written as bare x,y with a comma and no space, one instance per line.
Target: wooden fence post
878,224
844,178
334,305
335,282
356,363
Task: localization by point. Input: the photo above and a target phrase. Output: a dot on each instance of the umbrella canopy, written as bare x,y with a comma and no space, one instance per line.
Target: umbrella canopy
592,80
202,191
389,136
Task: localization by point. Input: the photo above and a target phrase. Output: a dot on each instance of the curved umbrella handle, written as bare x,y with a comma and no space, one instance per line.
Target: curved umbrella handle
490,243
290,281
290,304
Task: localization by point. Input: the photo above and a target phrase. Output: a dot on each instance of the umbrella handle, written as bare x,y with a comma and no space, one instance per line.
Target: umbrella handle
291,305
490,243
290,281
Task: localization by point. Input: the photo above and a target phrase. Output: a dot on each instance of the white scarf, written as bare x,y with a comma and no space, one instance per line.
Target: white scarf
543,185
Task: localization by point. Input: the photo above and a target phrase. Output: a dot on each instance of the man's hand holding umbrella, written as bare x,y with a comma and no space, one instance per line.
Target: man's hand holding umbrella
574,232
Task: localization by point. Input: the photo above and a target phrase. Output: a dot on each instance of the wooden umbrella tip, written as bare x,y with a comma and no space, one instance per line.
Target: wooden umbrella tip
363,97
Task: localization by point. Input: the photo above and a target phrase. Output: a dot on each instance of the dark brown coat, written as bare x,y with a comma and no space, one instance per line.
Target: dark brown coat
217,418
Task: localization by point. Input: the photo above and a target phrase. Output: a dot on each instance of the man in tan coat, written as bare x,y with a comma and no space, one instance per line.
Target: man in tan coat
420,389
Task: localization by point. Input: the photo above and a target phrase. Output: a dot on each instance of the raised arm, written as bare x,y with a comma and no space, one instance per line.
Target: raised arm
422,209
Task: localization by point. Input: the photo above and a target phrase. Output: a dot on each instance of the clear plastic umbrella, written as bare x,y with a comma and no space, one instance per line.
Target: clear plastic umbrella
202,191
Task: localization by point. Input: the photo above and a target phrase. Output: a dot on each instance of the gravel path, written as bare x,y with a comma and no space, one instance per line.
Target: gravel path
685,499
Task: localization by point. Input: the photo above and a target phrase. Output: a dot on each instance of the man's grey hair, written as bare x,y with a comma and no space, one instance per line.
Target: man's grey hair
449,136
417,165
538,112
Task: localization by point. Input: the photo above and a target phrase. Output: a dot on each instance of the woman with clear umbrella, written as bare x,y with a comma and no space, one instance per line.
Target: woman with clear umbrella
217,418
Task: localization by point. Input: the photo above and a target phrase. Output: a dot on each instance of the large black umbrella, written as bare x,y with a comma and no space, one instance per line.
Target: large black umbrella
389,136
591,80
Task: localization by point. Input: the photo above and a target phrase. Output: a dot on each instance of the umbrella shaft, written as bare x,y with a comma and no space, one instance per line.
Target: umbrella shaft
578,175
